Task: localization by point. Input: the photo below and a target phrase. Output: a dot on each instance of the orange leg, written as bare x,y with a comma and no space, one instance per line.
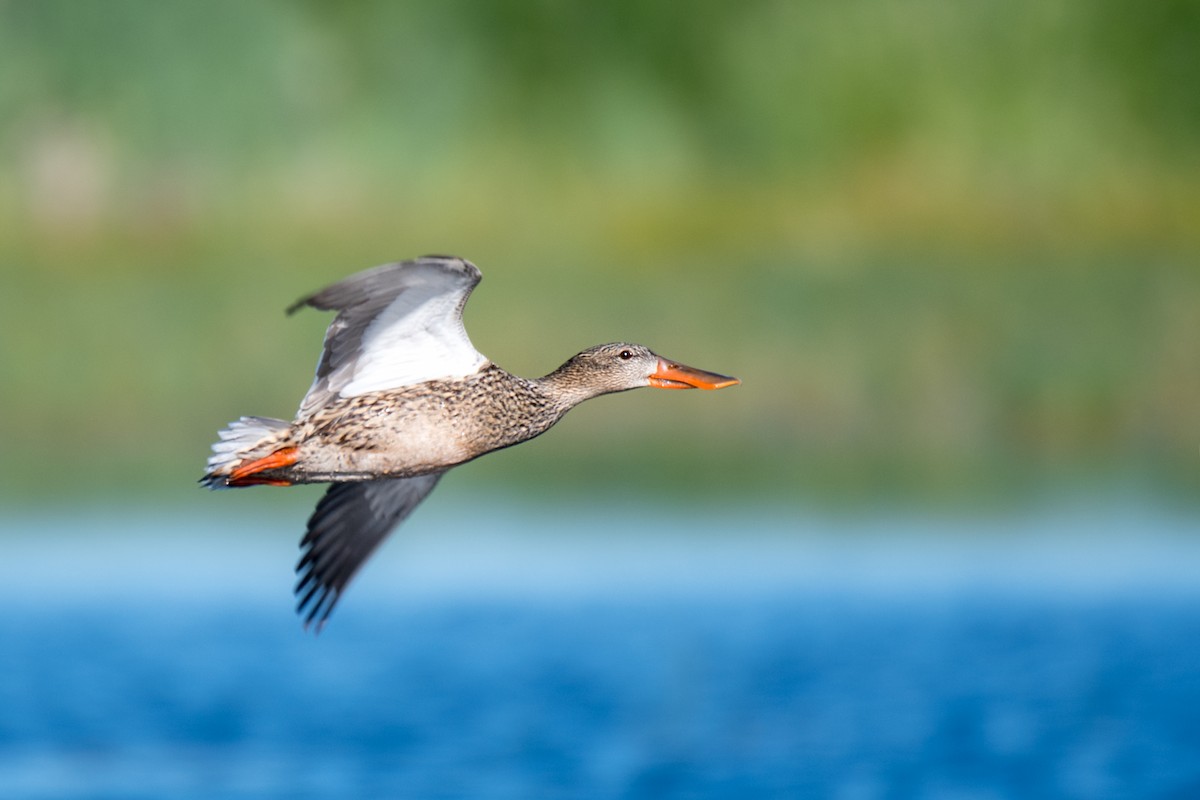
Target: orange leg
253,481
244,475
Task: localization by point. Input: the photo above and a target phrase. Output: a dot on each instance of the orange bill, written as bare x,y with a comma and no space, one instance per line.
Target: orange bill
670,375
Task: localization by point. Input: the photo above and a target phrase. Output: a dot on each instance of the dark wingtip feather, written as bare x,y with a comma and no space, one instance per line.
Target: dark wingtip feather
299,304
349,522
316,605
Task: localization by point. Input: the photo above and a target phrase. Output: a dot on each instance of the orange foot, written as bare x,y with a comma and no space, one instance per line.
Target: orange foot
244,475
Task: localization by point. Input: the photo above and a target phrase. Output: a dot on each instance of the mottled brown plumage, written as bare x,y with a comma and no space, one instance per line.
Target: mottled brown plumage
401,396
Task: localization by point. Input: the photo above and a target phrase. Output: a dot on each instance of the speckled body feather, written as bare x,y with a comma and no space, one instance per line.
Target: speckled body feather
416,430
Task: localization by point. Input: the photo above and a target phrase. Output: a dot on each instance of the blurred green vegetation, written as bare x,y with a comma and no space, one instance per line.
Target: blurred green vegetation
950,248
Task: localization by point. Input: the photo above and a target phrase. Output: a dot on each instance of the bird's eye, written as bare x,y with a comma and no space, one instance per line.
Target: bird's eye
625,355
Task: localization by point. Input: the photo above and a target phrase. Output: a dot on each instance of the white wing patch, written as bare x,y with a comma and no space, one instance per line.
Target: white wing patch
397,325
419,337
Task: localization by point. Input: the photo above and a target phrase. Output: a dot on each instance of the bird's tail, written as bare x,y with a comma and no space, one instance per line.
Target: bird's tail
247,447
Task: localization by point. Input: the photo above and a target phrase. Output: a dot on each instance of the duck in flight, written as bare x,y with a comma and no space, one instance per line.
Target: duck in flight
401,396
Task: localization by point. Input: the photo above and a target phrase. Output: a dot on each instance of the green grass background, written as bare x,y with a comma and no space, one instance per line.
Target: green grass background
950,248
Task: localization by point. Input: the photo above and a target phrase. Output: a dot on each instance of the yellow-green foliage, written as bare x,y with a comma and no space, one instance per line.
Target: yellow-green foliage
951,248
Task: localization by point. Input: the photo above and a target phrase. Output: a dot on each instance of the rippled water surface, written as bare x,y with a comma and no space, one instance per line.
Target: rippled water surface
494,657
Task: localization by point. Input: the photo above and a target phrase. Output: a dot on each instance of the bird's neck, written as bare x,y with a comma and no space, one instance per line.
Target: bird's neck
565,389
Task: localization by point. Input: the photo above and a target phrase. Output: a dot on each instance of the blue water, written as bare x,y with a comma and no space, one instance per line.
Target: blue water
158,657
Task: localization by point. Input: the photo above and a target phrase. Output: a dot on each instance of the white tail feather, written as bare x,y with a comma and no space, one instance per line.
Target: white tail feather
235,442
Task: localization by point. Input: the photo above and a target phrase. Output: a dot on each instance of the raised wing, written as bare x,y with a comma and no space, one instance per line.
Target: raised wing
397,325
346,527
